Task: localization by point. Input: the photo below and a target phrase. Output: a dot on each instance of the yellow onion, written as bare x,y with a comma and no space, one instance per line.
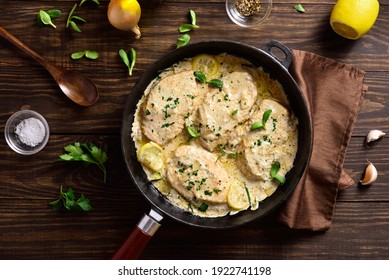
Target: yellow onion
124,15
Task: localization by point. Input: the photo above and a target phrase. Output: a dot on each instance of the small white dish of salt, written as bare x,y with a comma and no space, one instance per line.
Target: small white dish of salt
26,132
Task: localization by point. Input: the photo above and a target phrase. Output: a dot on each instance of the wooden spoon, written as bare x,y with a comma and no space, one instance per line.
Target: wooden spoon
76,86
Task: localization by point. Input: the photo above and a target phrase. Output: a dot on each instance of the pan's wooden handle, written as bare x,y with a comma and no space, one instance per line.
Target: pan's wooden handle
138,239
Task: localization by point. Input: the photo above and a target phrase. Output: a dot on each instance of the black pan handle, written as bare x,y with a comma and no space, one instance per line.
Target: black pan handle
276,44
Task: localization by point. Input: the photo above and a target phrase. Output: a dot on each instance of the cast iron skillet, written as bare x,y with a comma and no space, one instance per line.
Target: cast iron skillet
278,70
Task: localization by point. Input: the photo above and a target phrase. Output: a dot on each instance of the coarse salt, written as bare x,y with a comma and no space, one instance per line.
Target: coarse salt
31,131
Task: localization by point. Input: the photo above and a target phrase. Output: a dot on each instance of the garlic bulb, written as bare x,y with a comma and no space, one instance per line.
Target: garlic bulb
124,15
370,175
374,135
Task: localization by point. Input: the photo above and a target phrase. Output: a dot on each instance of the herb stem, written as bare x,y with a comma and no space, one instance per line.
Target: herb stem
70,15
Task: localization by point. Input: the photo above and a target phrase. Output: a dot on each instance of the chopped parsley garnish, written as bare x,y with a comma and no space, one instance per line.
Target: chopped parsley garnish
207,192
167,124
203,207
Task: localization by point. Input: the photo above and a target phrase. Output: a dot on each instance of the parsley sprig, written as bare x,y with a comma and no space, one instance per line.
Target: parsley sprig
67,201
86,152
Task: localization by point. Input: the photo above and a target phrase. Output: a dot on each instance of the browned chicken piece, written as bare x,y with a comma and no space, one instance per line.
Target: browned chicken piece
170,100
263,146
223,112
196,175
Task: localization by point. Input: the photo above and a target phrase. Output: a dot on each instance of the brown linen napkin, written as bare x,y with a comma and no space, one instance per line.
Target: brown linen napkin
334,92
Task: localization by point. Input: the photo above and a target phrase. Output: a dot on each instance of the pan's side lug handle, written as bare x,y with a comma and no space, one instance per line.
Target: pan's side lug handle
139,238
287,52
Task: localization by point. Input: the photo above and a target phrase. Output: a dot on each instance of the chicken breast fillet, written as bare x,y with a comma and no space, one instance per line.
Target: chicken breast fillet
195,174
263,146
170,100
221,115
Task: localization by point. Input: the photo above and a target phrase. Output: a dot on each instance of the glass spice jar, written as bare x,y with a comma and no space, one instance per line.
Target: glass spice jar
248,13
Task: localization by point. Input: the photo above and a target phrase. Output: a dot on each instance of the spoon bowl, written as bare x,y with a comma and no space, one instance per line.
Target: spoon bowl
73,84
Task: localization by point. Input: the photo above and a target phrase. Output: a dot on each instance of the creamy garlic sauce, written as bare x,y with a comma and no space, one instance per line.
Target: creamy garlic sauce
236,155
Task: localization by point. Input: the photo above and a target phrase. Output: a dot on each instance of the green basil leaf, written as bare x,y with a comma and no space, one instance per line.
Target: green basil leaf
265,117
78,18
186,27
274,169
133,60
299,8
77,55
74,26
280,179
92,54
183,40
192,132
234,112
200,76
256,125
45,18
216,83
54,13
124,57
193,17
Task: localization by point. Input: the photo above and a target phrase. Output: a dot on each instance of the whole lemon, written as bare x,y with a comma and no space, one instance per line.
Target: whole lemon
353,18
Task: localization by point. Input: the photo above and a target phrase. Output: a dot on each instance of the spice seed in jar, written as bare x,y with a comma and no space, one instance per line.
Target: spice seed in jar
30,131
248,7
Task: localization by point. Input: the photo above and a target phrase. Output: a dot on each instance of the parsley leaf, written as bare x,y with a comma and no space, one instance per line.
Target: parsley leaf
203,207
86,152
67,201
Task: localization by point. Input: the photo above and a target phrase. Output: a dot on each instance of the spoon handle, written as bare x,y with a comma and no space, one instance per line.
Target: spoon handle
53,69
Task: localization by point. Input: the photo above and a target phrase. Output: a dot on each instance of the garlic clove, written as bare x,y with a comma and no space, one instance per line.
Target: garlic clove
374,135
370,175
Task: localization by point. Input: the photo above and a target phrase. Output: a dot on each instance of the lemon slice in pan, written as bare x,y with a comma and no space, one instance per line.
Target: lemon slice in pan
151,156
237,196
206,64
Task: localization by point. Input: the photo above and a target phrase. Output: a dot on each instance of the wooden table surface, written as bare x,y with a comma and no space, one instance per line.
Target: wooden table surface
29,229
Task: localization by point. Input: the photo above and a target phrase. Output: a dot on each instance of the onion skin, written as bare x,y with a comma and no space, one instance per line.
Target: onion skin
125,15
